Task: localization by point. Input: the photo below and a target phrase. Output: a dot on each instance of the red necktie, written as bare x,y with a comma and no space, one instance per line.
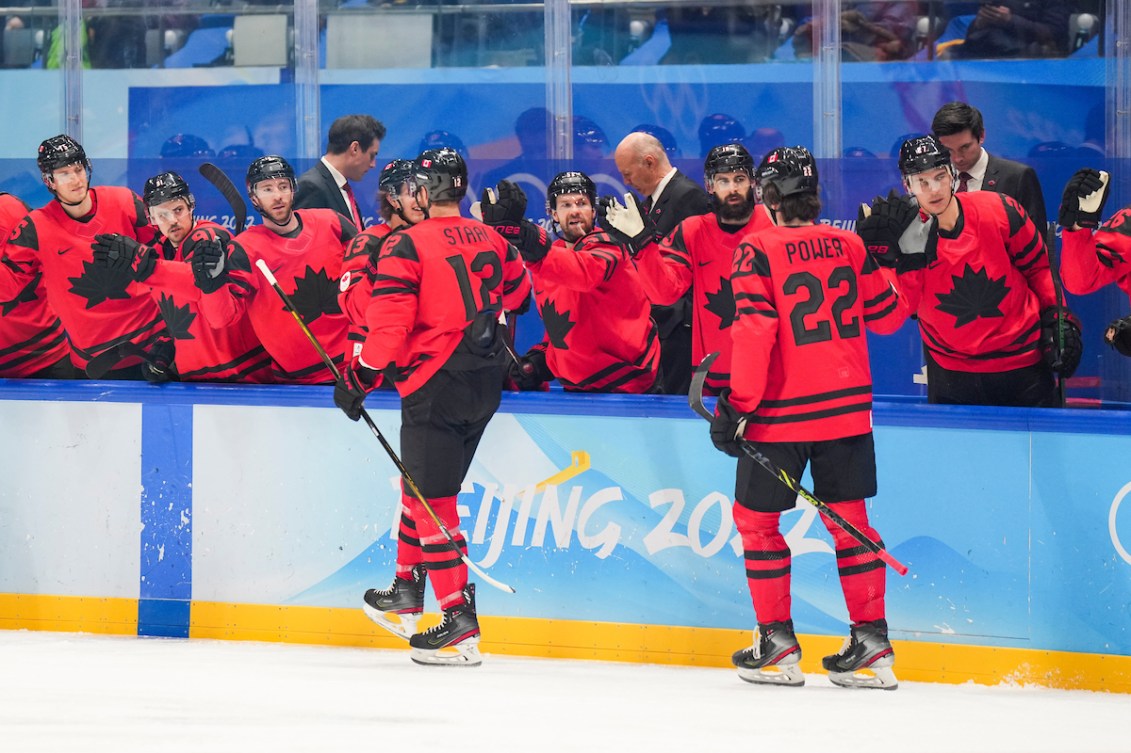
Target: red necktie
963,179
353,207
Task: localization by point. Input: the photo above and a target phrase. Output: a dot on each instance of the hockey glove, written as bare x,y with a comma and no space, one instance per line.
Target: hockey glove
503,205
209,259
1084,197
121,252
158,366
628,223
351,389
532,241
1118,335
728,426
919,242
872,227
1061,345
530,372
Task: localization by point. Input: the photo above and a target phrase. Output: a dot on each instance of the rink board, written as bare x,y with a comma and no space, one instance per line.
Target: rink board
262,514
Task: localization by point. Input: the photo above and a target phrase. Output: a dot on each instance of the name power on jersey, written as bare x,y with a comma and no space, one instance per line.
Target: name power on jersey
816,248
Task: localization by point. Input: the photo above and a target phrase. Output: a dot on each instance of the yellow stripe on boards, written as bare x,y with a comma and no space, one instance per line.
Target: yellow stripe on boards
69,614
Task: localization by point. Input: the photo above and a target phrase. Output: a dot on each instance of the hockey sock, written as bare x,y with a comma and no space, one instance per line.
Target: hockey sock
863,576
446,570
409,554
768,563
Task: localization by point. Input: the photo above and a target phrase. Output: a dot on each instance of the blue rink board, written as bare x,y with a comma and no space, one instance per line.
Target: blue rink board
1011,521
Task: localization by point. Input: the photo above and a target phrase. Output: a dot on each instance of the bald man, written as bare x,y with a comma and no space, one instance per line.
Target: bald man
670,197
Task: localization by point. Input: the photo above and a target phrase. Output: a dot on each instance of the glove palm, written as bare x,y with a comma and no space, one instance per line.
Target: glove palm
628,223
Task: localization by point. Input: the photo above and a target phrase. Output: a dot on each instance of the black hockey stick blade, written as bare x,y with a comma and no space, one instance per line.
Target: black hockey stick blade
290,306
227,188
695,400
107,360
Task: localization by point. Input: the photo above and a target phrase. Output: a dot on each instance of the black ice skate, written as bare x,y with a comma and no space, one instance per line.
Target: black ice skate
398,607
866,659
773,658
455,641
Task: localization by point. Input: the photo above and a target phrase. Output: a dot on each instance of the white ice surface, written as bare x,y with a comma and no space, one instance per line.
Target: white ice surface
66,693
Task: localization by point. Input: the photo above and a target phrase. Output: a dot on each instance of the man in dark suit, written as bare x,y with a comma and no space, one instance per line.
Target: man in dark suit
351,152
959,128
670,197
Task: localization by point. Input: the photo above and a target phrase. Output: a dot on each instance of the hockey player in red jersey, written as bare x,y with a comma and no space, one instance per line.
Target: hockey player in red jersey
398,209
801,391
1094,255
433,330
32,341
102,309
985,299
698,255
230,353
600,336
304,249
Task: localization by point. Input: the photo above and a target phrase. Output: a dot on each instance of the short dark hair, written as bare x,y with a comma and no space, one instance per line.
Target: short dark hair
805,207
350,128
956,117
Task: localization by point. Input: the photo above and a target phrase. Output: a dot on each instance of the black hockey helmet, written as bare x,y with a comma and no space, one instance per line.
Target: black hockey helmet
727,158
571,181
268,168
922,153
790,169
61,151
394,175
443,172
166,187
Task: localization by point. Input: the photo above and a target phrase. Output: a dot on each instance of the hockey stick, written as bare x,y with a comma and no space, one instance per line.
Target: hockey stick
107,360
1050,239
224,185
695,400
376,431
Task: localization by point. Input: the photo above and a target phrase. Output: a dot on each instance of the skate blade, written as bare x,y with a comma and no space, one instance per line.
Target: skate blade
462,654
788,675
400,625
879,676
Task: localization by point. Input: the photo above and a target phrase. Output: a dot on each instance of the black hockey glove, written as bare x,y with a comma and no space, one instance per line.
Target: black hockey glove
121,252
350,391
158,366
532,241
1118,335
209,258
1061,345
896,235
628,224
728,426
1084,197
503,205
530,372
873,227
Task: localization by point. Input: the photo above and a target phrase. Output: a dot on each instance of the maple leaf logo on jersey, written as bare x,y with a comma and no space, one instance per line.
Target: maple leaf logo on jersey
315,294
97,284
721,304
178,319
557,324
27,295
975,296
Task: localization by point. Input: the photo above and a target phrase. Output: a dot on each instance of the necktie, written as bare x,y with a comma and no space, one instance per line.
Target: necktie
353,207
963,179
648,205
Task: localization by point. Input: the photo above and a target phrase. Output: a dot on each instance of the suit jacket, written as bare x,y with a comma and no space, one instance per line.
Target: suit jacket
1020,182
317,190
682,198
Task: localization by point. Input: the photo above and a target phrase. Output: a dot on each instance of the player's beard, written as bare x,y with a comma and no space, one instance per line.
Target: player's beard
572,234
279,217
737,212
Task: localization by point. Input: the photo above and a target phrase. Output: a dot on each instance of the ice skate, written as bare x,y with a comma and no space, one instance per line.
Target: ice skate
773,658
398,607
866,659
455,641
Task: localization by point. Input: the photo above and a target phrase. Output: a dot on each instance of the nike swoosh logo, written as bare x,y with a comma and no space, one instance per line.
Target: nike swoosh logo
65,250
704,263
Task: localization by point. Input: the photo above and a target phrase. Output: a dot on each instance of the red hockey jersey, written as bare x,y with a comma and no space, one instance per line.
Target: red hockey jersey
600,336
100,308
307,265
698,254
980,303
1090,261
359,273
803,298
229,353
432,279
31,335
